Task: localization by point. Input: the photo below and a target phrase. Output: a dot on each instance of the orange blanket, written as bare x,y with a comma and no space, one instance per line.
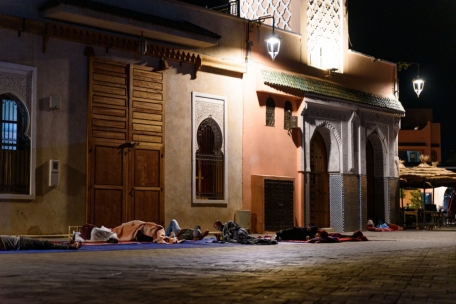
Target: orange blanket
128,232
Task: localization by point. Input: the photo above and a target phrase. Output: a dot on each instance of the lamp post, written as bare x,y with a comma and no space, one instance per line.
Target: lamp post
418,83
272,43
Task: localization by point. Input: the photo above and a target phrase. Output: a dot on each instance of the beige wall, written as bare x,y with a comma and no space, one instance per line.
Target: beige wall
60,134
178,129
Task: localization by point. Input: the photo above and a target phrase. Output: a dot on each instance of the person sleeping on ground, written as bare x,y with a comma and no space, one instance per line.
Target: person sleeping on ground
190,234
8,242
297,233
231,232
131,231
381,227
334,237
313,235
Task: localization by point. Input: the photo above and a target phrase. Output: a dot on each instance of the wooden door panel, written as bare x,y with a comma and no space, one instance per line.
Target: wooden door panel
108,165
147,206
108,207
147,167
107,184
147,183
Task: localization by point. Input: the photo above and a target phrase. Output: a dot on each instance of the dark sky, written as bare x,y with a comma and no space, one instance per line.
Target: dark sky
421,31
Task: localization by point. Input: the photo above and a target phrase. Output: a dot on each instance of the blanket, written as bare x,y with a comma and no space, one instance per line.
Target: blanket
143,231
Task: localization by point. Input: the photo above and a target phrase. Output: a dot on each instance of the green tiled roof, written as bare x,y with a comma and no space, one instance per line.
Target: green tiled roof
133,15
328,89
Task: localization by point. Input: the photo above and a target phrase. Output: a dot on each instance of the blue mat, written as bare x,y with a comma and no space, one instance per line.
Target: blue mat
205,243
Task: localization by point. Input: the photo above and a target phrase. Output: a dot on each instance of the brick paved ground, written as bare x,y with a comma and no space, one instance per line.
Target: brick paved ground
396,267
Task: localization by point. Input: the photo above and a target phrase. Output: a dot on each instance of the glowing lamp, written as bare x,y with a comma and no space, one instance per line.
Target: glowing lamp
418,85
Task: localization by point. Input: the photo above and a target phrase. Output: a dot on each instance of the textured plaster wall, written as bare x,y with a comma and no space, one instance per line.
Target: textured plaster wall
178,130
60,134
269,150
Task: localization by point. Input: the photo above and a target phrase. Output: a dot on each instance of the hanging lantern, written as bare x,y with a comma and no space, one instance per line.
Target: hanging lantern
418,85
273,44
142,45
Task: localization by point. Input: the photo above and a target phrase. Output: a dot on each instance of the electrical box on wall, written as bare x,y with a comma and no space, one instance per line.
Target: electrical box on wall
293,122
54,102
54,172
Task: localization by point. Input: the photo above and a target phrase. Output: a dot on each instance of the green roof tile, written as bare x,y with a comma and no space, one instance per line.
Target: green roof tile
328,89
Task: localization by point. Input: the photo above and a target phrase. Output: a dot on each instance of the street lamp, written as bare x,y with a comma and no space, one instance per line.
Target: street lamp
418,83
272,43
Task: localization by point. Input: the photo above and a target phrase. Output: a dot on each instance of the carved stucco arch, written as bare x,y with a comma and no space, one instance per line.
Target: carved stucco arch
333,145
379,132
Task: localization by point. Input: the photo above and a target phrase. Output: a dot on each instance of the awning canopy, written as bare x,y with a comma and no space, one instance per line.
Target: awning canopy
425,176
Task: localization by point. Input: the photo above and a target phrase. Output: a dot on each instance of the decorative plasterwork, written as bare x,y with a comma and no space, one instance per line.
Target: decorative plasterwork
215,107
324,33
280,9
330,127
19,85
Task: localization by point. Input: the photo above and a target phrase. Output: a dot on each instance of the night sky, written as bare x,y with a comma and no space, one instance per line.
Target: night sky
420,31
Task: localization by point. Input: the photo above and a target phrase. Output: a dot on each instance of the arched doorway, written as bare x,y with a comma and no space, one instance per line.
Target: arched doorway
376,205
319,182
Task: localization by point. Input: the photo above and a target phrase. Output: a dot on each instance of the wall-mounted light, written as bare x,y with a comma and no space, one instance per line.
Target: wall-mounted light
142,44
331,72
418,83
272,43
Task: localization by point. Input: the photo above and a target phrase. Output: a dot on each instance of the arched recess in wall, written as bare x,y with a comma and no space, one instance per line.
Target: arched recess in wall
18,95
375,173
209,161
15,146
270,112
287,112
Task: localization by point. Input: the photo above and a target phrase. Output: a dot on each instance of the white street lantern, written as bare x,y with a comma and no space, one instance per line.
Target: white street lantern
418,85
273,44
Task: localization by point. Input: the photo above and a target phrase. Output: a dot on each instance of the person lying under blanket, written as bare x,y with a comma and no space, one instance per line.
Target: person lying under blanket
131,231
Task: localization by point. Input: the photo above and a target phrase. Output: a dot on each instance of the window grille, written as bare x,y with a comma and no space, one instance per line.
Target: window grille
209,162
15,151
270,112
287,115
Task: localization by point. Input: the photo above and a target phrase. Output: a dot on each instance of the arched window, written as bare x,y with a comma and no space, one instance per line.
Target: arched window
15,147
287,110
270,112
209,161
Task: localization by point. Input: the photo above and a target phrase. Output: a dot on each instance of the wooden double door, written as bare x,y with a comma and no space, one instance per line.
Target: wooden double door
125,130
